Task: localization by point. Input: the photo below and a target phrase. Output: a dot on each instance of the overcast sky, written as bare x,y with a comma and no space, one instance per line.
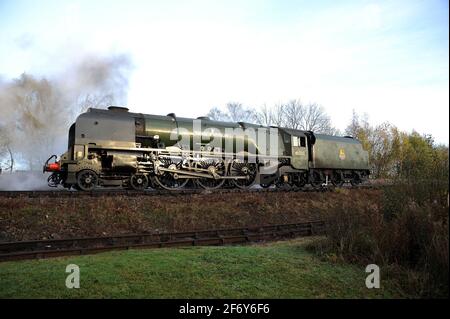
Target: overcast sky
389,59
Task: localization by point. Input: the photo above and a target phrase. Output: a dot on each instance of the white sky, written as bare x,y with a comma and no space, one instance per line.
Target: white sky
386,58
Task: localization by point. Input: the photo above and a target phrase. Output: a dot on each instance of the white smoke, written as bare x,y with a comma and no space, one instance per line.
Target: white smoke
23,181
36,112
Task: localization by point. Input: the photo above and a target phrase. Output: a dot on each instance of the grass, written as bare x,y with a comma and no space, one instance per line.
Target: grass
277,270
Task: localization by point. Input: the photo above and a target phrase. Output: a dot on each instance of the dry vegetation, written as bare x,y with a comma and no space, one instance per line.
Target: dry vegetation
39,218
406,234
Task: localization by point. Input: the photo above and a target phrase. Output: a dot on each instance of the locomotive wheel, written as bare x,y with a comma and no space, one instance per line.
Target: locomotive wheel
152,182
87,180
216,166
337,183
55,179
300,180
238,168
337,179
138,182
316,184
168,180
356,180
315,180
282,184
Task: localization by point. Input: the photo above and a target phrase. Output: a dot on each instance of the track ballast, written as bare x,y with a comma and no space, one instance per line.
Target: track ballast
37,249
155,192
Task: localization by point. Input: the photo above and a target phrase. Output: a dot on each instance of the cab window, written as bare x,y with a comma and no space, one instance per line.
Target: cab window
299,141
302,141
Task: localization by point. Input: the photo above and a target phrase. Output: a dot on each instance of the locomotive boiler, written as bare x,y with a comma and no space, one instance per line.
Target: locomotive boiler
118,148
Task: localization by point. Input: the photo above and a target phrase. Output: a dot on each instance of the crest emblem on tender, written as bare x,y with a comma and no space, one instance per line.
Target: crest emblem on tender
342,154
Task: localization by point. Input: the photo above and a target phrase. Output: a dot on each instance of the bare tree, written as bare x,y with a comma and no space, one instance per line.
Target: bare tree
315,119
238,113
265,116
40,118
293,113
357,124
216,114
37,111
353,126
84,101
234,112
278,115
6,154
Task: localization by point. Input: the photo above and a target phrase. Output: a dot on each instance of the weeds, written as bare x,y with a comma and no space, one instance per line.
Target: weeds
406,233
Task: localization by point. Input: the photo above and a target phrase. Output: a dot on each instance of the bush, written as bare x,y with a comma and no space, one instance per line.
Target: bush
406,232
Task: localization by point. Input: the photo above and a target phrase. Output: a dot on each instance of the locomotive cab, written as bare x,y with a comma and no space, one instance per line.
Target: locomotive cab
296,143
299,151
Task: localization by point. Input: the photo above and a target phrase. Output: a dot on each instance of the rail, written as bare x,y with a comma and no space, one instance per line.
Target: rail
156,192
33,249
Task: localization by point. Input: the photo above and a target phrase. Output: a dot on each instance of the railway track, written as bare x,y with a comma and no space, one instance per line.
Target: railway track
37,249
154,192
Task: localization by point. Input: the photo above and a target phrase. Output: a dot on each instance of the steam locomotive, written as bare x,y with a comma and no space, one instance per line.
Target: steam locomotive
117,148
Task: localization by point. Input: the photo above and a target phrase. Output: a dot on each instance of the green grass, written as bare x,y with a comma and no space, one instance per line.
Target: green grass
279,270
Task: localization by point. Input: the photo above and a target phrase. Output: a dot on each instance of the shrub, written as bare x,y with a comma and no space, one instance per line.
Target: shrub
406,232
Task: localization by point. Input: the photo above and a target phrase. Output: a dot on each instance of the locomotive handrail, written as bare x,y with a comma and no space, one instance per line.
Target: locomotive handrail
181,151
46,162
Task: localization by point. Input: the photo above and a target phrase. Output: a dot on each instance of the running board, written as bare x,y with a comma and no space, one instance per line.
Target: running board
193,174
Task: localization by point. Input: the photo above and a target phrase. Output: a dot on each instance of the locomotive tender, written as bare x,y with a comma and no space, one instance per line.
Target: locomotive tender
118,148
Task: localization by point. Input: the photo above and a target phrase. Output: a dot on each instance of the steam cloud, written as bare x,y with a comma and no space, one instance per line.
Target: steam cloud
36,112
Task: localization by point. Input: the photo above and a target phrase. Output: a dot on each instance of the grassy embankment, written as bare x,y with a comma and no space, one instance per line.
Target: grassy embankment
277,270
42,218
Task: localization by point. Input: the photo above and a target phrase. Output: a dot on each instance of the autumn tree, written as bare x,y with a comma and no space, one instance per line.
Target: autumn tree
360,128
396,154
